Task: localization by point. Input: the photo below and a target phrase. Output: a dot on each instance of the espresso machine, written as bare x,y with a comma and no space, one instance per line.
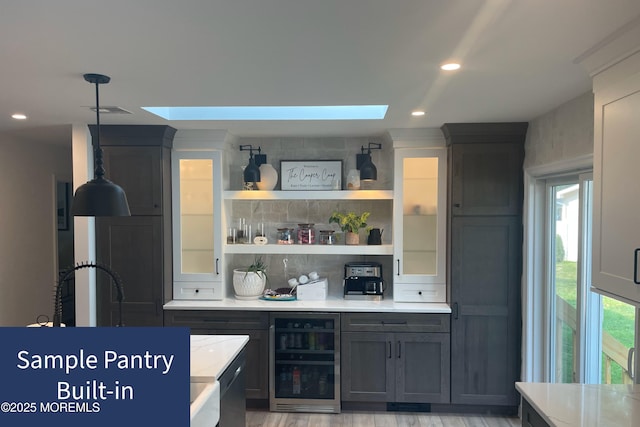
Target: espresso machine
363,280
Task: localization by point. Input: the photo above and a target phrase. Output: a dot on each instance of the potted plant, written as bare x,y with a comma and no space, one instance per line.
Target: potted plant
350,223
249,282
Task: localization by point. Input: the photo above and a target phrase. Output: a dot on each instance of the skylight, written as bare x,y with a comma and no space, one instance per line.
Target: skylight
325,112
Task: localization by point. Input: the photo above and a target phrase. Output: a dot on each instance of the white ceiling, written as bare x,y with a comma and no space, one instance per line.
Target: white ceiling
517,55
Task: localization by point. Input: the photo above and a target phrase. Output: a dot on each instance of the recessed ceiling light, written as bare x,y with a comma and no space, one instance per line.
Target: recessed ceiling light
324,112
417,113
19,116
450,66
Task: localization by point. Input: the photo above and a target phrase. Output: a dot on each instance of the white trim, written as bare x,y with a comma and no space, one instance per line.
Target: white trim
84,236
574,165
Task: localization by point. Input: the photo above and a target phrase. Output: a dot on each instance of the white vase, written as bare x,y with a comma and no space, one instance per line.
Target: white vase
353,179
248,285
268,177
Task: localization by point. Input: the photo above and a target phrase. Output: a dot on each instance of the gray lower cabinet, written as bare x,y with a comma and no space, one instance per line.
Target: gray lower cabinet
255,324
233,405
381,363
530,417
485,325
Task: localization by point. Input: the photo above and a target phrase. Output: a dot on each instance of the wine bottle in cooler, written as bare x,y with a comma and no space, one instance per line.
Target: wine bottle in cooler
296,380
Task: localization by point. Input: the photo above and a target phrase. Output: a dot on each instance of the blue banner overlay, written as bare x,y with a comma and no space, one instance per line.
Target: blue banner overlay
94,377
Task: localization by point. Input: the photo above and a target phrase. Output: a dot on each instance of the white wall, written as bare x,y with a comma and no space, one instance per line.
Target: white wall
27,227
563,133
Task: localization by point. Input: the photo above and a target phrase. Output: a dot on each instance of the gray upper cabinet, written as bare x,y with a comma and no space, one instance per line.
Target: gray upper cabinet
485,247
486,167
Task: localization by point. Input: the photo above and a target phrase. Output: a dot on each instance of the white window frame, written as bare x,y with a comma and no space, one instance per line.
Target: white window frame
535,346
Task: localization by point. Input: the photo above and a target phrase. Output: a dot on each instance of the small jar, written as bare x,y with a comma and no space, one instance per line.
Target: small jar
327,237
285,236
306,234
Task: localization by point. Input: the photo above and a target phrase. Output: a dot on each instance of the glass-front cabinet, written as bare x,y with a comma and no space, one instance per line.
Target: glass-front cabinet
197,189
420,225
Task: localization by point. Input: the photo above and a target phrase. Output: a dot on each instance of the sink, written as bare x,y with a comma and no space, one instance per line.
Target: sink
205,403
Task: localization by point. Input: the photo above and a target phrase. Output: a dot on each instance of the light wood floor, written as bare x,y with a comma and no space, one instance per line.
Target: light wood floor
376,419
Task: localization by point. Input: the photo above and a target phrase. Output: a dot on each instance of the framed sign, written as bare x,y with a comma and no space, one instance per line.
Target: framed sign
310,175
63,190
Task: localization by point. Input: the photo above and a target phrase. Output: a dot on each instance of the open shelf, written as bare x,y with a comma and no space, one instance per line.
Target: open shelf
310,195
310,249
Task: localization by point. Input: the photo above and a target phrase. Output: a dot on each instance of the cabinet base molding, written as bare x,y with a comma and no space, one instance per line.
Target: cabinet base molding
430,407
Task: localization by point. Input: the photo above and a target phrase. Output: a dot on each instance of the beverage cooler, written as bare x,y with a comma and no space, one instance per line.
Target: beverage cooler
304,362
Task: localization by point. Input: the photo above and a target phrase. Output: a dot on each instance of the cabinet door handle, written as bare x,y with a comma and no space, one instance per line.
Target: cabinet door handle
217,269
456,205
635,266
455,311
403,322
398,267
235,375
389,342
399,348
630,369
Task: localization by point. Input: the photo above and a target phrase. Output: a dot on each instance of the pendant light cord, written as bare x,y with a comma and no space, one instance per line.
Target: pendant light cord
99,168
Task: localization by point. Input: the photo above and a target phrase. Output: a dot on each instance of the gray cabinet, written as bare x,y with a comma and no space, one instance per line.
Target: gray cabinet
395,358
137,248
486,317
485,247
530,417
255,324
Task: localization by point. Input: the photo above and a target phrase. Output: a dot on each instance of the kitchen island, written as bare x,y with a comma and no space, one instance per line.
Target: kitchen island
217,379
579,405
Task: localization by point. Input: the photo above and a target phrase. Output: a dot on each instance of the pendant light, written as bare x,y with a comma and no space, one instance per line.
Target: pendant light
252,171
368,171
99,197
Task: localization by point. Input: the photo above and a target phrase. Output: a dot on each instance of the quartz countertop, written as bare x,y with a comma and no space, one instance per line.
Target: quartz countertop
212,354
584,405
331,304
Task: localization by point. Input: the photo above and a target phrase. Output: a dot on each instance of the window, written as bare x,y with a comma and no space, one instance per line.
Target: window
586,337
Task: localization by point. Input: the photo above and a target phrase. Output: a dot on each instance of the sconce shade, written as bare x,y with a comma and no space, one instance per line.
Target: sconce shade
100,197
368,171
252,172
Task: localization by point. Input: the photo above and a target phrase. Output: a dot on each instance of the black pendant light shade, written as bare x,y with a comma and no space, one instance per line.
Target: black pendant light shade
368,171
99,197
252,171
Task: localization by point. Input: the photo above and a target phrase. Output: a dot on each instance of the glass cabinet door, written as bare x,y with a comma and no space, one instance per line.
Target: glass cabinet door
196,221
419,215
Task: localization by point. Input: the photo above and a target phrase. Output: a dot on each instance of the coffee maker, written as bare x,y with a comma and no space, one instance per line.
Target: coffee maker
363,280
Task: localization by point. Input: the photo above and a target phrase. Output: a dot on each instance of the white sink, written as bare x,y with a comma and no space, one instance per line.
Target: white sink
205,404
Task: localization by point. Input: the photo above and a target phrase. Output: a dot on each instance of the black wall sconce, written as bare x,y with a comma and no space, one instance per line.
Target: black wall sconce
99,197
368,171
252,171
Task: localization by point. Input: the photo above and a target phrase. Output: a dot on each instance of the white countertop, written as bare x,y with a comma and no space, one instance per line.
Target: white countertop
332,304
212,354
584,405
